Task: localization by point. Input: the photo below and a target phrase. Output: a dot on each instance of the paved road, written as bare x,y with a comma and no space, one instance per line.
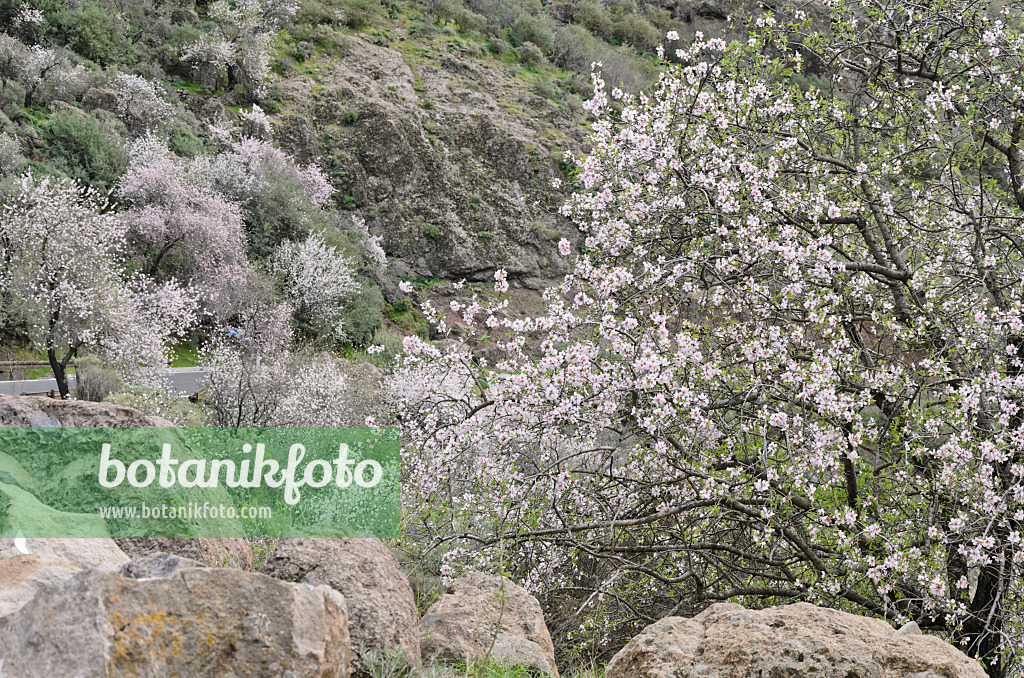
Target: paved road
187,380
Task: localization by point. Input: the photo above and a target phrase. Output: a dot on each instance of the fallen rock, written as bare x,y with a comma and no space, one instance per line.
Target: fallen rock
728,641
381,609
156,565
101,553
200,622
212,552
22,576
471,618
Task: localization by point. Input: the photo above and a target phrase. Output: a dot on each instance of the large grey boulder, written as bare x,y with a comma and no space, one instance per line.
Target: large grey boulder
22,576
481,613
381,608
212,552
729,641
199,622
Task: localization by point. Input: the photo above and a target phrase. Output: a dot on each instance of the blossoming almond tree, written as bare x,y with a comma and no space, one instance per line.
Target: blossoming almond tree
62,254
178,229
786,364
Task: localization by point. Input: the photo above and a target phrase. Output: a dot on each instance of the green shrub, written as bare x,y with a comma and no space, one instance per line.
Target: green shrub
89,30
498,46
94,381
637,31
453,12
532,28
594,16
84,149
179,411
357,13
363,315
330,39
530,54
545,89
183,141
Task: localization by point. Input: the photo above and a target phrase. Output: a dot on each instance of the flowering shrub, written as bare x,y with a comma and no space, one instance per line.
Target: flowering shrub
317,279
140,100
787,363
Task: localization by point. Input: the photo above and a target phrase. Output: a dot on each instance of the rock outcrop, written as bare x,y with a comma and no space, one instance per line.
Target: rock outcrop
199,622
381,609
42,411
729,641
156,565
481,613
211,552
436,153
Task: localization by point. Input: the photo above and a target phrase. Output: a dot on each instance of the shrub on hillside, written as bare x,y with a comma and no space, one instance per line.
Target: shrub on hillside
92,32
94,381
535,28
530,54
638,32
594,16
83,148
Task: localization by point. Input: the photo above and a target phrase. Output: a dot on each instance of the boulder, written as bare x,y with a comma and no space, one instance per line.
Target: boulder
156,566
42,411
481,612
729,641
22,576
98,552
98,97
211,552
198,622
381,609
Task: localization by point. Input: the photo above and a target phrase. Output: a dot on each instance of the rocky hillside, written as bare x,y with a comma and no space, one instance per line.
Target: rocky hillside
442,149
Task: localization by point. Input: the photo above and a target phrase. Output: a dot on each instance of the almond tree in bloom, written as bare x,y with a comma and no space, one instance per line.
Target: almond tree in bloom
787,364
180,230
241,43
318,280
61,278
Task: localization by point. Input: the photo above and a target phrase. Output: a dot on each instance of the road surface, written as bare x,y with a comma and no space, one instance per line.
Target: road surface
187,380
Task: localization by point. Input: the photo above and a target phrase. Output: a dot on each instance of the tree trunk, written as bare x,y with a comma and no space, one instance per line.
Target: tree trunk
60,373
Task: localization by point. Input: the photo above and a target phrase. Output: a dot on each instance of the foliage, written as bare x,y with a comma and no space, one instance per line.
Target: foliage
94,381
84,149
530,54
532,28
157,402
787,365
363,314
89,30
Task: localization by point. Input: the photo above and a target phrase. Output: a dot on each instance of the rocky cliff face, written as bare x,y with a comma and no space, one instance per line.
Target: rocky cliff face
435,146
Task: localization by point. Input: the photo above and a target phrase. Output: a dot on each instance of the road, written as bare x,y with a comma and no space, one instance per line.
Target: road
187,380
